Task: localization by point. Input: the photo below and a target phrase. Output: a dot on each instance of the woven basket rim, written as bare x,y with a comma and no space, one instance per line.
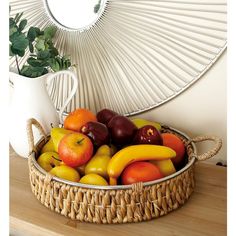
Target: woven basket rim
119,187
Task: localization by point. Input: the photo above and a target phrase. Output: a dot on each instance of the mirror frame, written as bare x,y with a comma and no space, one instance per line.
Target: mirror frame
82,29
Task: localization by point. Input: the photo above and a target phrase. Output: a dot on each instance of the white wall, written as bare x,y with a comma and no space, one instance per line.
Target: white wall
200,110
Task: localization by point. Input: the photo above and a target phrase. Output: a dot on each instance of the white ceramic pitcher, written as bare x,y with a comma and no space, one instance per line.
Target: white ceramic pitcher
30,99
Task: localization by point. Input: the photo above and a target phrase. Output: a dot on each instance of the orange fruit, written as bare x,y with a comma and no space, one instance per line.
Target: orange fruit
77,118
174,142
140,171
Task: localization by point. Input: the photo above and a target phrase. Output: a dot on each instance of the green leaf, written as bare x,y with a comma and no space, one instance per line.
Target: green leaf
10,51
53,52
20,53
45,71
33,32
12,30
54,64
14,36
25,70
55,67
49,32
37,71
30,71
58,59
17,17
37,62
96,8
31,47
65,63
40,44
43,55
40,33
20,42
50,44
68,64
12,22
22,24
33,62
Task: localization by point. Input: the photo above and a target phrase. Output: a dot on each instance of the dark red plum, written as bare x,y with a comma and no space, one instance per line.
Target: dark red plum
105,115
122,130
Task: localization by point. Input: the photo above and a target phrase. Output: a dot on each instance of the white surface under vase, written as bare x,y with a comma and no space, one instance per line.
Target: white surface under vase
30,99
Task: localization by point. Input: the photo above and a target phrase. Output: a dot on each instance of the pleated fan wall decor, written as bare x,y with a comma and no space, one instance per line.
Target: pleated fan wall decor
139,54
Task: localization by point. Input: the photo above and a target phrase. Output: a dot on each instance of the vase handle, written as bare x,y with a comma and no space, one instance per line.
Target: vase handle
72,92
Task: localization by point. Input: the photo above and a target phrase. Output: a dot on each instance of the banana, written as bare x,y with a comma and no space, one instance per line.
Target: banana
135,153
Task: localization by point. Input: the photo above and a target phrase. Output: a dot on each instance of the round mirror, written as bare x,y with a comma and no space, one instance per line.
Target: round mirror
75,14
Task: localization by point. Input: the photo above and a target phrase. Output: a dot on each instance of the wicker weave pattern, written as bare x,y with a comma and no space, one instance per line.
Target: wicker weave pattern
112,206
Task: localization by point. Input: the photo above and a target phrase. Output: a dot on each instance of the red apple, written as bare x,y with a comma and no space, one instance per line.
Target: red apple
75,149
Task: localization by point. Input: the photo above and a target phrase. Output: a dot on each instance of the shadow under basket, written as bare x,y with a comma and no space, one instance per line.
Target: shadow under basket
121,203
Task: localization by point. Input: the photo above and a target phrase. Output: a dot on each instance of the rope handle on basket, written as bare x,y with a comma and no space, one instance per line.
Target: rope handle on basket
30,134
210,153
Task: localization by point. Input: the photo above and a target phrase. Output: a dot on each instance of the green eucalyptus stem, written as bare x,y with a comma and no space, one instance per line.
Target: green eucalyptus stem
17,64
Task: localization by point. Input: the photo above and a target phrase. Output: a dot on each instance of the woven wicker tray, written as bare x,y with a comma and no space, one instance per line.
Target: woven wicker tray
116,204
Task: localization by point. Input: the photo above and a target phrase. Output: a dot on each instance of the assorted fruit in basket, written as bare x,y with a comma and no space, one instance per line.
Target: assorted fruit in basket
110,149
